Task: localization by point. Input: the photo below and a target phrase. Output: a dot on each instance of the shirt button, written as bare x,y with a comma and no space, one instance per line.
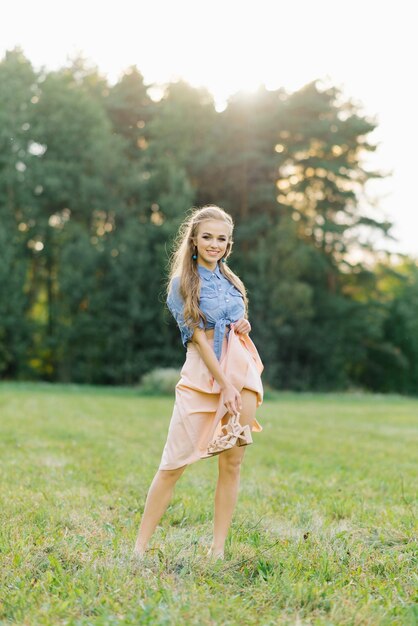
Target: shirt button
227,300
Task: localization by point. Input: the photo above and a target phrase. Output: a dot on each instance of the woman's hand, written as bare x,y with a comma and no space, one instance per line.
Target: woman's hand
232,399
242,326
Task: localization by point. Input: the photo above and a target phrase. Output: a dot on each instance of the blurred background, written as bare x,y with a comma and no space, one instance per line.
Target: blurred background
299,120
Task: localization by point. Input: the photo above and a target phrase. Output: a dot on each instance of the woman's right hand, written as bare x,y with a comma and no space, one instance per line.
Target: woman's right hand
232,399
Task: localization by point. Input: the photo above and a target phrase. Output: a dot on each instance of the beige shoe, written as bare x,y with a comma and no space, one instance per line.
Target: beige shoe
233,433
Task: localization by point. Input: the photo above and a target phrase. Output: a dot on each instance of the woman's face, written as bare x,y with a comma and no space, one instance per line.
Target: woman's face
211,241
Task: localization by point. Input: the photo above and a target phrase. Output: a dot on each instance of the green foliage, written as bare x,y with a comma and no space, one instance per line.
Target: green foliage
393,361
94,182
160,381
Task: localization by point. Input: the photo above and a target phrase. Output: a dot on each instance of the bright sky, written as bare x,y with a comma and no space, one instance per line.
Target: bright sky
368,49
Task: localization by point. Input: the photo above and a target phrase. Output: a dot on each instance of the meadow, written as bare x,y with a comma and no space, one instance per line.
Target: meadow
324,532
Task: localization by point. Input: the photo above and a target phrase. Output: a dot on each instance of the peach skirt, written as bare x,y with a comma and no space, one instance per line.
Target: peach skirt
199,408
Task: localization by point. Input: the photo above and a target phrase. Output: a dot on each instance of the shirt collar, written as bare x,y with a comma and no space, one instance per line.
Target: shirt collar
207,274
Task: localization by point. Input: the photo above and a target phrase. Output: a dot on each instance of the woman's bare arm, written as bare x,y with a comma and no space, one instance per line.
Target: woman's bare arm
209,357
231,394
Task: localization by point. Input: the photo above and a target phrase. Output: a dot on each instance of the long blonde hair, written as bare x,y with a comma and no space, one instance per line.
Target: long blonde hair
182,265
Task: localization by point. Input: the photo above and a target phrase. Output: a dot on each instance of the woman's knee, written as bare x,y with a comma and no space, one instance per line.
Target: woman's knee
172,474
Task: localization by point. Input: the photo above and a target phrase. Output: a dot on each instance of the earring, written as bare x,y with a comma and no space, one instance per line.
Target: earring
223,260
194,256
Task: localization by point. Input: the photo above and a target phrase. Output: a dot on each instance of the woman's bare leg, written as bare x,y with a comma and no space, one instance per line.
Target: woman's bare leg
229,464
158,499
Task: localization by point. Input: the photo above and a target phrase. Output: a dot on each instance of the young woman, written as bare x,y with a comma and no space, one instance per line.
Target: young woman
220,385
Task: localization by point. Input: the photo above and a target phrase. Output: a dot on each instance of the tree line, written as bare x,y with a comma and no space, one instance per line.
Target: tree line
95,180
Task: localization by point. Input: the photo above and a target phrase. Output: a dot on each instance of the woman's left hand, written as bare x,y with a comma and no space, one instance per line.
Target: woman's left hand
242,326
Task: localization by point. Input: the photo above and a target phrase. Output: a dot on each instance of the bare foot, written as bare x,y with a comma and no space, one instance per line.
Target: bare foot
218,554
138,553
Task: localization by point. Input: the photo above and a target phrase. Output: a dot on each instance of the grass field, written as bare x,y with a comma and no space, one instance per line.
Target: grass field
324,532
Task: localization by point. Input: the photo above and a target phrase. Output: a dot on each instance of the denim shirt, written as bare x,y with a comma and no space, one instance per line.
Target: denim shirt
220,300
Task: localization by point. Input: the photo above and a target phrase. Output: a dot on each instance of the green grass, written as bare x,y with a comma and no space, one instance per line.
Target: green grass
324,531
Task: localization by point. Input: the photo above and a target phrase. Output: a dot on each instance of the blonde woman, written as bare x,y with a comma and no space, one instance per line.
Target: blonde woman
220,385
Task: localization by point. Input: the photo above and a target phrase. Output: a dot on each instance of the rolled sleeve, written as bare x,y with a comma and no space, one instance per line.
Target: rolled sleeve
175,304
